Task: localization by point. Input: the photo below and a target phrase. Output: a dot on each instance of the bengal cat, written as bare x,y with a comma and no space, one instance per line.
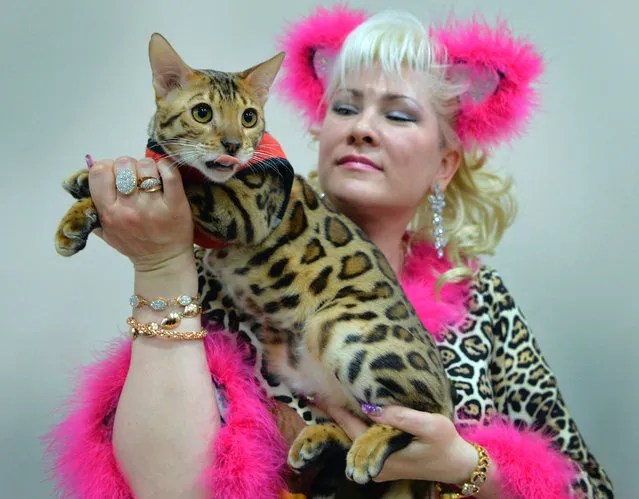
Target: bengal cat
327,307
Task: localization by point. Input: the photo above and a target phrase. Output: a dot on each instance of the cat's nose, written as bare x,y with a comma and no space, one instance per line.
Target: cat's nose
231,146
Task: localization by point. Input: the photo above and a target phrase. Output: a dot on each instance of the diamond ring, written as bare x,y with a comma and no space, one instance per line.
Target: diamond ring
149,184
125,181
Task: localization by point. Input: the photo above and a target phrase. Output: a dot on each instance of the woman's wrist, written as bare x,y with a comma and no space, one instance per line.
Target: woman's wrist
169,262
175,275
466,461
176,278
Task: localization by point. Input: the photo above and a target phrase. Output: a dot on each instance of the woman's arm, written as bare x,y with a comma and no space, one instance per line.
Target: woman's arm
540,434
167,415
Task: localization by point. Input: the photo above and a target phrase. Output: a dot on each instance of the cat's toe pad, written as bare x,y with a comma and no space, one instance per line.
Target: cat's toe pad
314,441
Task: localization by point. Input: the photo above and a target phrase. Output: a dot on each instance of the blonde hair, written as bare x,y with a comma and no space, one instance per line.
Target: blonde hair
479,204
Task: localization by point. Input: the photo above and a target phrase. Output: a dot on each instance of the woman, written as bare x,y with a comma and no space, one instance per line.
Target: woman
391,155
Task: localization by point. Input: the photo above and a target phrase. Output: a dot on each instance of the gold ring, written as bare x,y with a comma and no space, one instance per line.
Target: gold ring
149,184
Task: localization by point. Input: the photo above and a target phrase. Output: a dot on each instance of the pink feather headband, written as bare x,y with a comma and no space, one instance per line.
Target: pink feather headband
500,71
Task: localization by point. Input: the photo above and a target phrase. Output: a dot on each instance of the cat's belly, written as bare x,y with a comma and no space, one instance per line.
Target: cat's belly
308,377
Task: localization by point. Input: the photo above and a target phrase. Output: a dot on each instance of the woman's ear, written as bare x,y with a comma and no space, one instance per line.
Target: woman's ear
450,163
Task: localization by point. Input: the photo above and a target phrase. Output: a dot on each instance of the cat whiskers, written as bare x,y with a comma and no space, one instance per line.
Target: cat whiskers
269,162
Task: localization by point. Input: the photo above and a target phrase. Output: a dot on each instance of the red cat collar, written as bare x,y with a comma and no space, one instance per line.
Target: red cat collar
268,149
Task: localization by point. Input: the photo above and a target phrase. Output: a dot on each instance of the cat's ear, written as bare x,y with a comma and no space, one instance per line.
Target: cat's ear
262,76
169,70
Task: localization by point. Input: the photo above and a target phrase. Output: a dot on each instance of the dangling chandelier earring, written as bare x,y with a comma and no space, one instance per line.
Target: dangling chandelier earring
437,203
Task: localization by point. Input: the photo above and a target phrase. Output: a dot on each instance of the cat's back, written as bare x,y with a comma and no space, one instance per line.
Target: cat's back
315,255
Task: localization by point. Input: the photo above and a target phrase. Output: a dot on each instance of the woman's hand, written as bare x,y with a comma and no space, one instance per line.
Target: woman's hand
151,228
437,453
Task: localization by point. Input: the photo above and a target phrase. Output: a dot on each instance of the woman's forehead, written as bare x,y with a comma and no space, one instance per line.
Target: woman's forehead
375,82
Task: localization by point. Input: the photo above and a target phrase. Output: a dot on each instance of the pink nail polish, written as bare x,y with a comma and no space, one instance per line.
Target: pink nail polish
89,160
371,409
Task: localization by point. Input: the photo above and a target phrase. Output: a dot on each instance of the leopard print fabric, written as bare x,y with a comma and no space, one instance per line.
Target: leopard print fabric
492,359
497,368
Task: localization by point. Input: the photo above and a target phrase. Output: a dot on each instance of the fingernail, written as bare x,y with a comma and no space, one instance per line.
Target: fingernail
148,162
309,399
372,410
123,161
89,160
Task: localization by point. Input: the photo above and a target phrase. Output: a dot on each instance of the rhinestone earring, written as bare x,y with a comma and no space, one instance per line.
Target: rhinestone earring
437,203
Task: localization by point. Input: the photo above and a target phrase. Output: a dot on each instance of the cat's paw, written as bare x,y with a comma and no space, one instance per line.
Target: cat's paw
75,227
78,184
315,440
370,450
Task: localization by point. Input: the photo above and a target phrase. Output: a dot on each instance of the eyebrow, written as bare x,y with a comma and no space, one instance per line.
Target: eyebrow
387,97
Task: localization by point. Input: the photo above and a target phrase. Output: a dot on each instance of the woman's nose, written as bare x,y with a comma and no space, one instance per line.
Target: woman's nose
363,132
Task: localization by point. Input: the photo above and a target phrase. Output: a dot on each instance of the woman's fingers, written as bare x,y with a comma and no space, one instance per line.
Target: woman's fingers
149,181
102,184
172,183
414,422
352,425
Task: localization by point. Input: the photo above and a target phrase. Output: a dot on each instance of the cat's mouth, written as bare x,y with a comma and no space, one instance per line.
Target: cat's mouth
223,163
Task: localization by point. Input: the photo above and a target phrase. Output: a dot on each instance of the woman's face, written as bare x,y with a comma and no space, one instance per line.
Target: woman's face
379,146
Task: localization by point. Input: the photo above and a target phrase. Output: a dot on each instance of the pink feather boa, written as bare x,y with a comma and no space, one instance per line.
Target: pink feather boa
420,275
250,452
528,465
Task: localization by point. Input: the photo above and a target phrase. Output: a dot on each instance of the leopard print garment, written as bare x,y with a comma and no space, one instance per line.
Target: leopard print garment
492,358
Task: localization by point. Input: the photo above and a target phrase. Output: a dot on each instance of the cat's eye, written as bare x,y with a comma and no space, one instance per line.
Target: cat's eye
202,113
249,118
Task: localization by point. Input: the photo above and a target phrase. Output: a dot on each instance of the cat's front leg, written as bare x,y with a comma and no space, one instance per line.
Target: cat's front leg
75,227
78,184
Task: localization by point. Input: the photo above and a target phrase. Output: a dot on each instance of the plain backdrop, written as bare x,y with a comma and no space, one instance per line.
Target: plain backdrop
75,79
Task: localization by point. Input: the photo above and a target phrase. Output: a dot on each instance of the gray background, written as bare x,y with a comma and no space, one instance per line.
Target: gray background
76,80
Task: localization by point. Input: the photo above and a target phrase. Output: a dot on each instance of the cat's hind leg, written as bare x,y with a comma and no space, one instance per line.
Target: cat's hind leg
317,441
326,445
366,359
370,450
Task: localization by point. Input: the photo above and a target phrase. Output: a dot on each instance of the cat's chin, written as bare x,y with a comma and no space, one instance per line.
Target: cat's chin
220,175
212,171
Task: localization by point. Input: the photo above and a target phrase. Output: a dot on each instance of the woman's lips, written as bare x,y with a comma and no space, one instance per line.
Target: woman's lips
352,162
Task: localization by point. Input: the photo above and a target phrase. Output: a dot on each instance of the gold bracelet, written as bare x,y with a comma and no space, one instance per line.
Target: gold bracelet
476,480
159,304
154,329
174,319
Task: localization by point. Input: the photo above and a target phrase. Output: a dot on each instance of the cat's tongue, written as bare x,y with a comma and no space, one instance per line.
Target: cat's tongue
227,160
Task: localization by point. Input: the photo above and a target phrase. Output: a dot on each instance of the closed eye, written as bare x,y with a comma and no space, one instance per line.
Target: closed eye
344,110
401,117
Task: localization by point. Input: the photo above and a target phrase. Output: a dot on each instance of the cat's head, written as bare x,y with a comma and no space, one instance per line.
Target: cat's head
209,120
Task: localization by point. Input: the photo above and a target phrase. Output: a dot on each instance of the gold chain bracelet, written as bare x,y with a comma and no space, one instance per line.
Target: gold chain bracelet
159,304
476,480
154,329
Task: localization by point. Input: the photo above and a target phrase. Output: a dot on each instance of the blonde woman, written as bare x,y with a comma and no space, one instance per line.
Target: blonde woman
402,116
